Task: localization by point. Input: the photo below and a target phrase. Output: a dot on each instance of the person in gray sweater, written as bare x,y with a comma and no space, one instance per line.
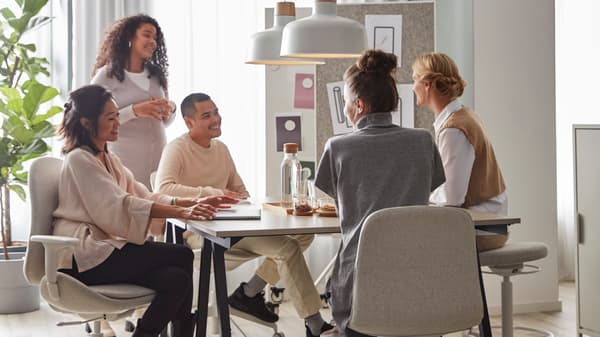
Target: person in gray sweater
378,165
132,64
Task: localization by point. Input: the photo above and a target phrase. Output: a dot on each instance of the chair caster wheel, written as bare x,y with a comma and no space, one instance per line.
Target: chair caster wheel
274,307
278,334
88,328
129,326
277,295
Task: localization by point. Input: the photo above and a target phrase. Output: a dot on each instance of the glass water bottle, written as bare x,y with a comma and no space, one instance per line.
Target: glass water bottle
290,171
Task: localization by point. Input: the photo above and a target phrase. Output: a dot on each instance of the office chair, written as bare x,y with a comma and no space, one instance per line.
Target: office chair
416,273
63,292
509,261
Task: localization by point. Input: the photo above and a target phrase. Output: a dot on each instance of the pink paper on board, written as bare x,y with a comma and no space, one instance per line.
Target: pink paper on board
304,91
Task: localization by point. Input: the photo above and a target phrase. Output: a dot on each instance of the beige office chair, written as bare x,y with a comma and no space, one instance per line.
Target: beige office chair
63,292
416,273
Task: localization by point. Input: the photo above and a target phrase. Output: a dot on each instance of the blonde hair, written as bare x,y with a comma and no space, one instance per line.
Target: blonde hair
442,72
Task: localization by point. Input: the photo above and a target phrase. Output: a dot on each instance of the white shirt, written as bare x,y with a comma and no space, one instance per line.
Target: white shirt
140,79
458,156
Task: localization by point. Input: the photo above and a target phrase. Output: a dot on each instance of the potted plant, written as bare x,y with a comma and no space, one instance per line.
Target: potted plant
24,117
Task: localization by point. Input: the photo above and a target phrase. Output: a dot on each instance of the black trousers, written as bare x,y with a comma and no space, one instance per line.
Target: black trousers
163,267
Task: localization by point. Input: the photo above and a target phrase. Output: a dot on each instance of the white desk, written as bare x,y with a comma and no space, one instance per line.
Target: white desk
220,235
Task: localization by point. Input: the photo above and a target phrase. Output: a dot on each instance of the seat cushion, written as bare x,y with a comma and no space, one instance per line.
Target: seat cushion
513,253
122,291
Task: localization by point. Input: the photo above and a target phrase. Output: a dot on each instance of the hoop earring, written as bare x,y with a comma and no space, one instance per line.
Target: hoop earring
129,44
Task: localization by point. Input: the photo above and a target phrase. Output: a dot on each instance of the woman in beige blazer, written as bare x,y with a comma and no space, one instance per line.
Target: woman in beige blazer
111,213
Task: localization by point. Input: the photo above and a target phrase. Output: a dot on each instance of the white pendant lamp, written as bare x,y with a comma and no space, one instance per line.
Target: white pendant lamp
266,45
324,35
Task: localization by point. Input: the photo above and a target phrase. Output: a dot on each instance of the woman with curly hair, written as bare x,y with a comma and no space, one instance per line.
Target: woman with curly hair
473,176
363,161
132,64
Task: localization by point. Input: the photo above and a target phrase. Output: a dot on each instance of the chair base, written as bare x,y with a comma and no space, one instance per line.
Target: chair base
541,332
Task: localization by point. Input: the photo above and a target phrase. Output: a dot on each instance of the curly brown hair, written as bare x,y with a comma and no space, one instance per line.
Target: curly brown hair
114,51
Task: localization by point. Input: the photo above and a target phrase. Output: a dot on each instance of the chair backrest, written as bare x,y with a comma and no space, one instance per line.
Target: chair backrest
43,198
416,273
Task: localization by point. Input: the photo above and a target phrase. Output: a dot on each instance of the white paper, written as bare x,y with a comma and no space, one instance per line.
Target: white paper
339,121
385,32
405,115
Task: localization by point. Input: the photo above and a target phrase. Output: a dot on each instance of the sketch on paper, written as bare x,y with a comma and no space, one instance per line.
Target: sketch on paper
385,32
339,121
304,91
405,115
288,128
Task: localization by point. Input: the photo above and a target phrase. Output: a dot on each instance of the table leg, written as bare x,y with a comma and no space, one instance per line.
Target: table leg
221,289
485,329
203,288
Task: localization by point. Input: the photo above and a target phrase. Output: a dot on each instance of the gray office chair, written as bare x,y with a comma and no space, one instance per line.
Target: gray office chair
63,292
509,261
416,273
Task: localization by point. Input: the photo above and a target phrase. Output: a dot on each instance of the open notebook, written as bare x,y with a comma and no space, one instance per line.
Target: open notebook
243,211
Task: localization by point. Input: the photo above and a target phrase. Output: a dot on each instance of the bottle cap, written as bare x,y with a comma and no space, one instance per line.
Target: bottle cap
290,148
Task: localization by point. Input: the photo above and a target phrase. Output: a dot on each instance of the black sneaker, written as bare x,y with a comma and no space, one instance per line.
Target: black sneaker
254,306
326,329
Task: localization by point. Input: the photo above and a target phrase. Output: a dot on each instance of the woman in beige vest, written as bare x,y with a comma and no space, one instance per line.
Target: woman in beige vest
473,177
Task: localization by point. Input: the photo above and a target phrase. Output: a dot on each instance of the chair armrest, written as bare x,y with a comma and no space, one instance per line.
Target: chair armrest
53,244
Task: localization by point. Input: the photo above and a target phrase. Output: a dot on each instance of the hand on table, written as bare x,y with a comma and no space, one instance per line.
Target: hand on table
220,201
236,195
198,211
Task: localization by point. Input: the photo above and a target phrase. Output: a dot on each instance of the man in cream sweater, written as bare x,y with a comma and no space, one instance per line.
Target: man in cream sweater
196,164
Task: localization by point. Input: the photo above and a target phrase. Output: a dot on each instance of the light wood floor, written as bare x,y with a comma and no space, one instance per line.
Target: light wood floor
43,322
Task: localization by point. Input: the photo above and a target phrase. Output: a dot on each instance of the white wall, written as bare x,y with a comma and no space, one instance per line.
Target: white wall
577,28
515,96
454,37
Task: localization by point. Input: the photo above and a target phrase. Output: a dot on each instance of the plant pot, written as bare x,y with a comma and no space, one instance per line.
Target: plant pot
16,295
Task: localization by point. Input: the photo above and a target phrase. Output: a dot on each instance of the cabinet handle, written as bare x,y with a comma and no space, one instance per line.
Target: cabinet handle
580,233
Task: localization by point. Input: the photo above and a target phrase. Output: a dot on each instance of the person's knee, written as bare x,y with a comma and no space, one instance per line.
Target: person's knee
290,249
179,280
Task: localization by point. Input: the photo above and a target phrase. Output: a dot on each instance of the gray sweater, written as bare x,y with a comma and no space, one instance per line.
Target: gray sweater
141,140
380,165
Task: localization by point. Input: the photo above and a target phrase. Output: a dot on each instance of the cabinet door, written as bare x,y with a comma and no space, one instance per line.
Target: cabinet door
587,161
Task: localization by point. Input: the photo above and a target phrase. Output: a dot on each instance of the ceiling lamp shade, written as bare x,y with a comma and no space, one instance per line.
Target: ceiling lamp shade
324,35
265,46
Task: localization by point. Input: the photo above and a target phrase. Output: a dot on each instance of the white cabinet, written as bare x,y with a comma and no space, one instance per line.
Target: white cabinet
587,208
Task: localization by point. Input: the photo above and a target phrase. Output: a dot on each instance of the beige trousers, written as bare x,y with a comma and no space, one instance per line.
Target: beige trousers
283,260
489,242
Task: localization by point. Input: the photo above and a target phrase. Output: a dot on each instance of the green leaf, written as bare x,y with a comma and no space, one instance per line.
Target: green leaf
49,114
10,93
37,22
20,24
44,130
19,190
36,95
33,6
7,13
34,149
23,135
30,46
20,176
